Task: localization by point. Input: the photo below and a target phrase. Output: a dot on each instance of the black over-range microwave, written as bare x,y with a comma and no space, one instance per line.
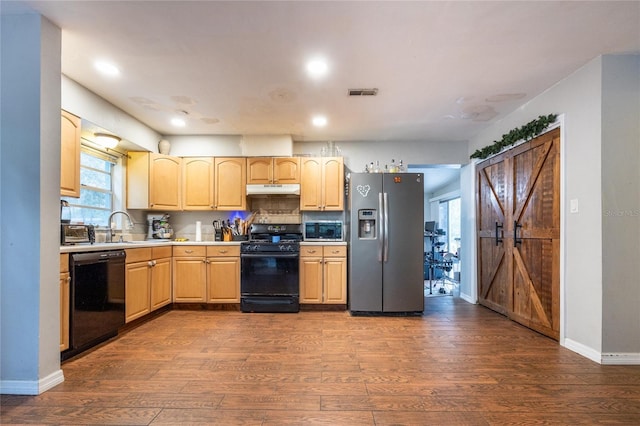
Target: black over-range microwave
323,230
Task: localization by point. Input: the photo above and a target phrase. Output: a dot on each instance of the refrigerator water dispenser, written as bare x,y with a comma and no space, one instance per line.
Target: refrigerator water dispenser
367,224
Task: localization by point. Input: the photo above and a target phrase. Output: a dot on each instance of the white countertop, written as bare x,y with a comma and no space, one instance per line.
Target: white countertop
136,244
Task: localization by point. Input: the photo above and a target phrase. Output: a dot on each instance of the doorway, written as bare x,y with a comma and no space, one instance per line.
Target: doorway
442,233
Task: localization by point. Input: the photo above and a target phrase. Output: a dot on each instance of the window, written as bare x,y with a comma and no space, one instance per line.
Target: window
96,189
449,221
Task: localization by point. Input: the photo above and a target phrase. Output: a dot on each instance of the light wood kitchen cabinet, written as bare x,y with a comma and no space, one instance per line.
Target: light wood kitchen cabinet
197,183
223,274
70,155
147,280
323,274
322,183
189,274
65,297
153,181
273,170
230,185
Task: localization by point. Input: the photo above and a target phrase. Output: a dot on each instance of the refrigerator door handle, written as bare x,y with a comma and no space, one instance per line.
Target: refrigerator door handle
380,227
385,250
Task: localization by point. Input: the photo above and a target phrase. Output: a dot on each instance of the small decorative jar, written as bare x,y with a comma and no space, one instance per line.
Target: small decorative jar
164,146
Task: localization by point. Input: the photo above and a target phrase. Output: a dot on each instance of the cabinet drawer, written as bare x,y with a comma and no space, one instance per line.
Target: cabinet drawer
226,250
189,251
334,251
64,262
138,254
160,252
311,251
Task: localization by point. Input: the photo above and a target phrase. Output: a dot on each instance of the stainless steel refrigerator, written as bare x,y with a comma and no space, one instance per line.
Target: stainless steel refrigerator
386,216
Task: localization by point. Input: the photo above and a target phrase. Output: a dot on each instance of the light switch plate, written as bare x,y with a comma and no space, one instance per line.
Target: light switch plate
573,205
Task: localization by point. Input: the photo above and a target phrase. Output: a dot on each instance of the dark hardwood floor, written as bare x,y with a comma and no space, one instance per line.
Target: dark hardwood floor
459,364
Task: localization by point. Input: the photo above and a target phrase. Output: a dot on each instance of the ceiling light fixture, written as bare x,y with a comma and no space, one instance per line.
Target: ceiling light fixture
107,68
106,140
317,68
319,121
178,122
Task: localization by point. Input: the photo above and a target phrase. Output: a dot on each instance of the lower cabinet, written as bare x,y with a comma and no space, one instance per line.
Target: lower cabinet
323,274
148,281
209,274
189,274
65,296
223,274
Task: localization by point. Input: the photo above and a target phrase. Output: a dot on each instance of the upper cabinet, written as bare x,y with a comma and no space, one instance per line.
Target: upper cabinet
322,183
268,170
162,182
153,181
197,183
230,185
70,155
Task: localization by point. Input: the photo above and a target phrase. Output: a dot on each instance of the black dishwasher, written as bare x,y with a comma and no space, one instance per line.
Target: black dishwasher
97,298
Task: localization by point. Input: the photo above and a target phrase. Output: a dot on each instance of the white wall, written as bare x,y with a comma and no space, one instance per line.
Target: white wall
358,154
29,195
621,206
580,98
78,100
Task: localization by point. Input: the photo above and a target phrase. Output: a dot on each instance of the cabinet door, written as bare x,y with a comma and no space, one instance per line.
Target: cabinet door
335,280
160,283
197,188
310,279
164,182
333,183
189,279
286,170
230,184
260,170
310,183
137,290
65,292
224,279
70,155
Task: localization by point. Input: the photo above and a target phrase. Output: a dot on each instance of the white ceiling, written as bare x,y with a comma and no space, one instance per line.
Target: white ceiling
444,69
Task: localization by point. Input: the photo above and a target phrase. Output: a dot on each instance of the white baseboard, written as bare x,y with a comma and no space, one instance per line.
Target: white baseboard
583,350
621,358
467,298
30,387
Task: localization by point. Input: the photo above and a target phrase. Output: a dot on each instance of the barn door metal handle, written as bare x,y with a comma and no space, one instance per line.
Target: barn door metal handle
516,240
499,228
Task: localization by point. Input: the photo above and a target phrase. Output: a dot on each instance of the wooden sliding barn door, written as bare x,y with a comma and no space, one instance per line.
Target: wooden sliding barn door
519,233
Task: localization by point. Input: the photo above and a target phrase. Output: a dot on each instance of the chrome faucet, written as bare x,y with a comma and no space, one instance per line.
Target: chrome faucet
110,232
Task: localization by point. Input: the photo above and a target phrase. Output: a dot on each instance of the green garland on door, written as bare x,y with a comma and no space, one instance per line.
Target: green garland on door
526,132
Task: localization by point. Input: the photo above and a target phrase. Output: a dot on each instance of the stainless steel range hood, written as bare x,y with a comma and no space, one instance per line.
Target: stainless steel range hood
274,189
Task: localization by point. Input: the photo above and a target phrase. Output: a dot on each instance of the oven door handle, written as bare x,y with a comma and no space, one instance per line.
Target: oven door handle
263,255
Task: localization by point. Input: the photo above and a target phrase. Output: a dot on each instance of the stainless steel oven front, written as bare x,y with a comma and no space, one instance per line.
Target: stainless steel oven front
269,278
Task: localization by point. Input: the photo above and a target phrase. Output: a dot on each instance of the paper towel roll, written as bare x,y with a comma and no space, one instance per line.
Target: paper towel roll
198,231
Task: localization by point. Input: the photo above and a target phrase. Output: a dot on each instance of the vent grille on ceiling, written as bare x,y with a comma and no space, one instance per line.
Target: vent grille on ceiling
363,92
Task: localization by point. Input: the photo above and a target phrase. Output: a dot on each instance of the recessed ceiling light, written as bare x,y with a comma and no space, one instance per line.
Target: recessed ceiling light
319,121
317,68
178,122
107,68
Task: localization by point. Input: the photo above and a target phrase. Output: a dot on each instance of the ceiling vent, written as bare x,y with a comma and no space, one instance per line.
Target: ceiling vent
363,92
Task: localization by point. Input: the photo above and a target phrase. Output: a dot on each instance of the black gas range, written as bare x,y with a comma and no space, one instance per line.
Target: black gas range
269,277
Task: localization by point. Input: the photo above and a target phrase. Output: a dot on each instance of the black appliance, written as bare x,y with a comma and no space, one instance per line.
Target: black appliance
323,230
269,273
97,306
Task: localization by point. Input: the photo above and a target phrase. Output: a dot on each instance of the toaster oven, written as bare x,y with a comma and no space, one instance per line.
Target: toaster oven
76,234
